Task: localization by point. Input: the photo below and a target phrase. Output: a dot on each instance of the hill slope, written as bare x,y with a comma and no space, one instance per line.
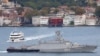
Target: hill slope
37,4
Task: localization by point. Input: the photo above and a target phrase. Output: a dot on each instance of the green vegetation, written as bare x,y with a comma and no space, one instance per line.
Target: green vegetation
79,11
19,10
0,12
97,12
38,4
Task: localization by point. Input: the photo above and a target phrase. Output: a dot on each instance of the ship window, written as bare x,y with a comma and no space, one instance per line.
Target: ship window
14,35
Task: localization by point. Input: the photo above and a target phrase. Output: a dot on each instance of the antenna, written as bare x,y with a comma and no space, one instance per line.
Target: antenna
59,37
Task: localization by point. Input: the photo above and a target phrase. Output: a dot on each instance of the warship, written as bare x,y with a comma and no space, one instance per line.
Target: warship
56,45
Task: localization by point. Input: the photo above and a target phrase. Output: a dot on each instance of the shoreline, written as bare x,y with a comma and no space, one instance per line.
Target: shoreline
58,26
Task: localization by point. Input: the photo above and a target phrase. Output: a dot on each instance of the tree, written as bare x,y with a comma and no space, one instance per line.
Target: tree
20,10
28,12
79,11
35,12
97,12
1,12
55,11
31,4
40,4
44,11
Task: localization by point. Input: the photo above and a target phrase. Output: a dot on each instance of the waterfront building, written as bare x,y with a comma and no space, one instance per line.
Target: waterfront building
67,20
36,20
55,22
98,2
6,22
1,20
79,20
44,20
91,20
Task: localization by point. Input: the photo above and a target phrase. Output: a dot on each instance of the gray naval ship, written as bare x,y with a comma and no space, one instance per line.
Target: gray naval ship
56,45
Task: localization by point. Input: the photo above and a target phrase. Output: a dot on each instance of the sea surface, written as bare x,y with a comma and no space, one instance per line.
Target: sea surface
81,35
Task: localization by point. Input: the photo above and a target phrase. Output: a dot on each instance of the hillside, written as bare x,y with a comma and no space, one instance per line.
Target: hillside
38,4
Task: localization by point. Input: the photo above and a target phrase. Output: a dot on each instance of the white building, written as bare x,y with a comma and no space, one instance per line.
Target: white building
10,5
80,20
40,20
44,20
91,21
1,20
60,14
67,20
83,20
36,20
0,7
7,21
5,4
98,3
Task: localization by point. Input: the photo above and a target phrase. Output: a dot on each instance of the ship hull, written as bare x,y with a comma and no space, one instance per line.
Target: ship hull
84,49
22,50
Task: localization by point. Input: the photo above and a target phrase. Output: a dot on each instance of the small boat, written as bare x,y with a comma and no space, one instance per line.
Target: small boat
56,45
16,36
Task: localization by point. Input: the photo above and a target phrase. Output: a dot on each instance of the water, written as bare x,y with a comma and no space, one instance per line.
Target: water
81,35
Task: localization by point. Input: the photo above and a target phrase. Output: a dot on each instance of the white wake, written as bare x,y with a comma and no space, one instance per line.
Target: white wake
37,37
3,51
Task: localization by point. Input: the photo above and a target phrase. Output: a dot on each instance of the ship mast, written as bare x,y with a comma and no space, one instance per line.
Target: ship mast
58,36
